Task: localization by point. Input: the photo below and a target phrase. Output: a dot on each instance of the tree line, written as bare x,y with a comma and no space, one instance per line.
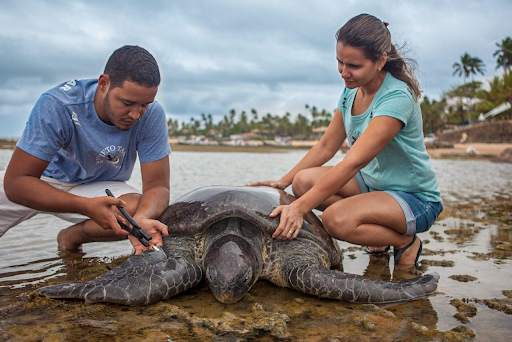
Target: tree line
267,125
459,105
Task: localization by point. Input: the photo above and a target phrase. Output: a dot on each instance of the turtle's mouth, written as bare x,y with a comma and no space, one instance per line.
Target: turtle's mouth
230,268
229,290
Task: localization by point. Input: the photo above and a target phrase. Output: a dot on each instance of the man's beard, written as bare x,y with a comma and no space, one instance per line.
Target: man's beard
110,113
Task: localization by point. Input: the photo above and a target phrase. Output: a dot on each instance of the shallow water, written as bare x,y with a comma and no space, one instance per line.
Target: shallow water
471,191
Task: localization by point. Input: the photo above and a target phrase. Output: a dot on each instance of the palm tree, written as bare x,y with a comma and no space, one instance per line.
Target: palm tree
504,54
254,113
468,66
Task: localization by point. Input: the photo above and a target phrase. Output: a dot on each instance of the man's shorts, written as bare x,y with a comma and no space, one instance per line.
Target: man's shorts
12,214
419,213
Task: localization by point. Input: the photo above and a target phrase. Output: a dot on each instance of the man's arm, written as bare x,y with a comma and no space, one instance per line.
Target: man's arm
154,200
155,188
23,185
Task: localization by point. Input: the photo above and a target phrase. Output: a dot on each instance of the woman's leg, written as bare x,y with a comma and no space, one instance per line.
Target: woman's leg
374,219
306,179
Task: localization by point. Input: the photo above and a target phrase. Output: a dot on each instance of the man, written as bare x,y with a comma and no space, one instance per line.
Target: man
82,137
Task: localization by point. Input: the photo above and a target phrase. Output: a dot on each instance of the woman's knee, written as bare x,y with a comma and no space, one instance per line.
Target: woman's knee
337,224
302,182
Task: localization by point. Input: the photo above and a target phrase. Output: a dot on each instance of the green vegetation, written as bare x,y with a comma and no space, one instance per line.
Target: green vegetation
459,105
267,126
468,66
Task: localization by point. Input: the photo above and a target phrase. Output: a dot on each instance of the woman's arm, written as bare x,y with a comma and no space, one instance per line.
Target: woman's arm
319,154
379,133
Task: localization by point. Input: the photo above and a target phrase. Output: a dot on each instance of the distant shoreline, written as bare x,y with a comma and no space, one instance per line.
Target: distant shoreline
484,151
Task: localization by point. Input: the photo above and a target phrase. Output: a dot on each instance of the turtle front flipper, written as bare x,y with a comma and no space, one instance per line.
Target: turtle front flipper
142,279
322,282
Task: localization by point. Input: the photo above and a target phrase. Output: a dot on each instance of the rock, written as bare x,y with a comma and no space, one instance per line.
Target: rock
463,278
500,304
467,309
461,317
504,157
370,307
460,231
421,329
459,333
441,263
364,322
386,313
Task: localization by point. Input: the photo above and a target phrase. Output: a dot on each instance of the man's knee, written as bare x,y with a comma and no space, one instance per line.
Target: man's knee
132,203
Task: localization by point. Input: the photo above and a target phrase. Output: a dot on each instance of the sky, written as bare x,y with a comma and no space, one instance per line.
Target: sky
214,56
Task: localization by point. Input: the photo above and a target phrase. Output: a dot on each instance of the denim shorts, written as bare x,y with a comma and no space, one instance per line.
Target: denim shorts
419,213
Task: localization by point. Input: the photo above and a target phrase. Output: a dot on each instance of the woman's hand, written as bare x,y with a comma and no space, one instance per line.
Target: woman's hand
290,222
272,183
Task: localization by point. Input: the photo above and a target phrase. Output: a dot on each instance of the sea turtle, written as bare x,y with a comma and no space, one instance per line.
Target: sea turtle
224,235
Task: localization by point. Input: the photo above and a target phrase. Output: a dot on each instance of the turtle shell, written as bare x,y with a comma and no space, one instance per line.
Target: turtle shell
194,212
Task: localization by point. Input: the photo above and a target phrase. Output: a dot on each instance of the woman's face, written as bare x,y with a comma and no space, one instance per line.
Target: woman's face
355,69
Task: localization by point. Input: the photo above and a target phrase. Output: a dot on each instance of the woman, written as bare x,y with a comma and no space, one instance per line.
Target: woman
384,191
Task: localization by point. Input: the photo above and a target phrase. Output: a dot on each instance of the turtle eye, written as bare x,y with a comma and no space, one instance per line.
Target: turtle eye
212,273
248,276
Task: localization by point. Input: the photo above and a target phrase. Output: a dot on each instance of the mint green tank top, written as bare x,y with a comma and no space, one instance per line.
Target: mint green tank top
404,164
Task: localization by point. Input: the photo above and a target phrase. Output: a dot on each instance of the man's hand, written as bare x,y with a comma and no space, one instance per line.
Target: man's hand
152,227
290,222
101,211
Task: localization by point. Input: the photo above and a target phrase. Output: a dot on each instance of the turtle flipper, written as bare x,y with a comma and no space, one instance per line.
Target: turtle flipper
140,280
322,282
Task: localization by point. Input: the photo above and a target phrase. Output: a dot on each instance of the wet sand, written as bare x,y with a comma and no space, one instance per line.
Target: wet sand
468,245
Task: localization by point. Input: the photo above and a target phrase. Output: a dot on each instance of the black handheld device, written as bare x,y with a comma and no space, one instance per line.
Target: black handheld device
135,230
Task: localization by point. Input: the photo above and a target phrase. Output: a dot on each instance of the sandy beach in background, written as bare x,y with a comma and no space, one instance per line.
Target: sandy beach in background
459,151
483,150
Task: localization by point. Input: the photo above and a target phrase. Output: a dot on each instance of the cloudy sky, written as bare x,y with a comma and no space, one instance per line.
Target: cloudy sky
274,56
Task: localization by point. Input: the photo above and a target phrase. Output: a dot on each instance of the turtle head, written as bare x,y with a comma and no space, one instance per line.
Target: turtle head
231,267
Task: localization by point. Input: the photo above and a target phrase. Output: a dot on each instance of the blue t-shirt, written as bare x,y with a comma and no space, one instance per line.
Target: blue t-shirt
404,163
64,129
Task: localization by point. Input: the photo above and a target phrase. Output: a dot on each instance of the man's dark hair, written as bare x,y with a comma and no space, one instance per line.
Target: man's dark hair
132,63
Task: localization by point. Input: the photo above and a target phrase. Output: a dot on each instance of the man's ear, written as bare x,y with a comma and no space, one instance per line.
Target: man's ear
104,83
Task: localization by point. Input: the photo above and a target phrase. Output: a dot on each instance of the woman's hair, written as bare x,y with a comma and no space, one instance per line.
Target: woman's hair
372,36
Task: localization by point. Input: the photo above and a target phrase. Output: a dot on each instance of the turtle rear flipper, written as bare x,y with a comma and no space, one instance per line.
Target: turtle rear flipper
322,282
140,280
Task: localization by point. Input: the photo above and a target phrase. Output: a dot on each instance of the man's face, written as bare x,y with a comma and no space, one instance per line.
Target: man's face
125,105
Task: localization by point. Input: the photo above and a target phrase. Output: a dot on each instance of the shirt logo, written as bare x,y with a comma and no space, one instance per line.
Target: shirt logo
353,135
74,117
68,85
112,155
